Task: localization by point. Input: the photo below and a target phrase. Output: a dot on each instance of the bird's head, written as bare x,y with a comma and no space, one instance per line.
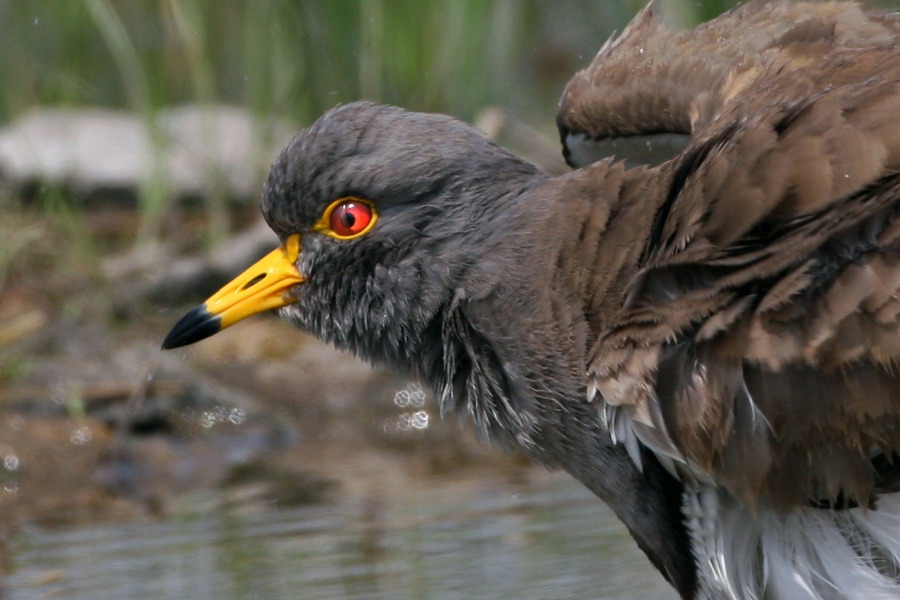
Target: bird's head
381,212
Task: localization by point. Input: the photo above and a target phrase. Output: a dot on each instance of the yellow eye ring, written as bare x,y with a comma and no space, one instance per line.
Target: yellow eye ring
347,218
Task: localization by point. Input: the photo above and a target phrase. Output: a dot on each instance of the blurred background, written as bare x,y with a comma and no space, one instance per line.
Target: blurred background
134,136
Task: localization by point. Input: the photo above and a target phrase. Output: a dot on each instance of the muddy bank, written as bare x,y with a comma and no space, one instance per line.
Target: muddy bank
106,426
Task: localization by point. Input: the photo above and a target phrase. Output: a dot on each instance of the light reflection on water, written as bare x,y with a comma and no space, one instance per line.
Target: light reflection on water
549,539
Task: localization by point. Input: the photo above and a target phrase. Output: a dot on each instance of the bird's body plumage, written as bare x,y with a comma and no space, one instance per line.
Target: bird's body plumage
710,345
755,350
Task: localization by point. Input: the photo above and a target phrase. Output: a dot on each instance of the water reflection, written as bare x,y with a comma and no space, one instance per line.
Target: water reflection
547,539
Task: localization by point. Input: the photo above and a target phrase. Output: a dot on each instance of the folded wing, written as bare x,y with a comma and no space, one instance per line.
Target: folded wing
759,344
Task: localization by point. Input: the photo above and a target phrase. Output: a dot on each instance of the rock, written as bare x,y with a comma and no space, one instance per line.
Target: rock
220,148
81,150
154,273
194,152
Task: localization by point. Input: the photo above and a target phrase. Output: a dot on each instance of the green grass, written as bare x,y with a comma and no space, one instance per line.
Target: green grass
296,57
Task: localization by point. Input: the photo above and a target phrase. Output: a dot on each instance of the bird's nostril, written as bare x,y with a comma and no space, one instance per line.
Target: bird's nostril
254,281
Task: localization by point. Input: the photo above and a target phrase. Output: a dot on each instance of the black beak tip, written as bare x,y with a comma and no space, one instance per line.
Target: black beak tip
196,325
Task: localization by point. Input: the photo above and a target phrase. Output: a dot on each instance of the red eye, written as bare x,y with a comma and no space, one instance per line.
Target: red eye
350,218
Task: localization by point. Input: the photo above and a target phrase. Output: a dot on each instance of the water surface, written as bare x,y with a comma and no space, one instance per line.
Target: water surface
546,539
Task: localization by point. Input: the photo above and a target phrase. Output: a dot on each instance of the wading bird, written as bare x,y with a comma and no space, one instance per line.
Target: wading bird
709,344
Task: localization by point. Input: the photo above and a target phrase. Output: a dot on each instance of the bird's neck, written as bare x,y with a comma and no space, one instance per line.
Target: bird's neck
557,265
507,344
579,269
607,215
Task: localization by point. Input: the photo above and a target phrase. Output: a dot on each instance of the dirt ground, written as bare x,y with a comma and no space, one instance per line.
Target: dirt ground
97,423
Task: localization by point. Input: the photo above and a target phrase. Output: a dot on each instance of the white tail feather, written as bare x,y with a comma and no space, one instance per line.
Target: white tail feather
807,554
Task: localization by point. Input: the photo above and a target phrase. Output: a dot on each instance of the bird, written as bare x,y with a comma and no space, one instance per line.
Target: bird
709,344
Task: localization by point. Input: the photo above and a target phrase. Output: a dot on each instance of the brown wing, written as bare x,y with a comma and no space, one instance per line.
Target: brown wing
760,341
652,82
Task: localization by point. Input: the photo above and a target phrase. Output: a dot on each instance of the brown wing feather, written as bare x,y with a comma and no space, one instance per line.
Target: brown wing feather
651,79
764,327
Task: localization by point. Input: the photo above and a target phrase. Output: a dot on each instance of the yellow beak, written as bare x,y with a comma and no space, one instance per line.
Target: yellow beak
263,286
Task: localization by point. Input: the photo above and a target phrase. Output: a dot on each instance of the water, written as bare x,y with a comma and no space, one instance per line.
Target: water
478,540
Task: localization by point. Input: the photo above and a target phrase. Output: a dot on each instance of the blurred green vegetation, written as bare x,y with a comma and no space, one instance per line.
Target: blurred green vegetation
296,58
299,57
